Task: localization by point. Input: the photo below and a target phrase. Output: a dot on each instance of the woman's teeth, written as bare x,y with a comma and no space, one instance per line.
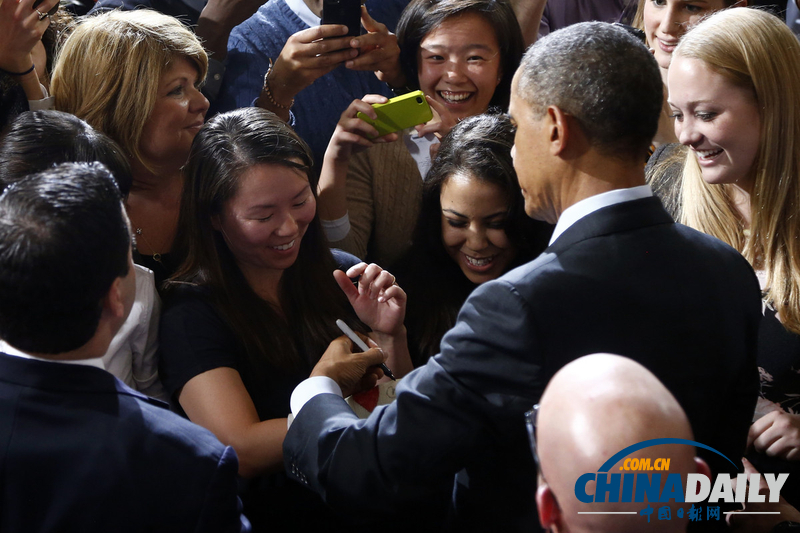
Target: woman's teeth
454,97
479,262
707,154
284,247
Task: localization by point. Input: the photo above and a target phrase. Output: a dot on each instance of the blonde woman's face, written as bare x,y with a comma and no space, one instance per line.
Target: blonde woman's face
177,116
718,120
665,22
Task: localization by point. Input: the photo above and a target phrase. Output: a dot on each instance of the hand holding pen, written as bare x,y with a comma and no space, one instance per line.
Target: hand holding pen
361,344
352,371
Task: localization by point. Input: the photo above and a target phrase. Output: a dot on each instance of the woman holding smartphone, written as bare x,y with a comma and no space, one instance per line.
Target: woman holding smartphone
255,303
462,54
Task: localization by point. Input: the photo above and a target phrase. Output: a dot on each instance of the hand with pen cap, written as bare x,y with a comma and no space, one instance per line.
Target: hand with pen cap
377,300
353,371
380,304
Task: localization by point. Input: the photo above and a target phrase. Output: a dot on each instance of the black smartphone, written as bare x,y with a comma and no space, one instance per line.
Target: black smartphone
346,12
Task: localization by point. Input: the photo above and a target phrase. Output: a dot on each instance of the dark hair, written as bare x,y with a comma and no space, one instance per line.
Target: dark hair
64,239
421,17
225,148
479,147
37,140
603,77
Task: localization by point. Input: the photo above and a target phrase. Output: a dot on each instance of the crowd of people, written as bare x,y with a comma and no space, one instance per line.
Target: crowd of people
193,197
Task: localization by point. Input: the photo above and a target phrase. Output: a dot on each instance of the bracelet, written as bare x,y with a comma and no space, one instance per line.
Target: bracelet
18,73
269,93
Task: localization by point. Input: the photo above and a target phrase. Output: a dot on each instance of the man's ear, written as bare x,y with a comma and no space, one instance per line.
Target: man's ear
114,302
559,129
549,511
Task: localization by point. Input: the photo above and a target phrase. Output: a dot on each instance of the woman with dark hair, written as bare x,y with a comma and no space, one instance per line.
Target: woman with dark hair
38,140
472,228
462,54
254,305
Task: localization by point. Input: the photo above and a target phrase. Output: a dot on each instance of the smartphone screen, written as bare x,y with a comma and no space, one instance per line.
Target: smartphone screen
346,12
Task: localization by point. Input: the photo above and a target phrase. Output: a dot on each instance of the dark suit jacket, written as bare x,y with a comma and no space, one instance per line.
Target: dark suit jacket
626,280
80,451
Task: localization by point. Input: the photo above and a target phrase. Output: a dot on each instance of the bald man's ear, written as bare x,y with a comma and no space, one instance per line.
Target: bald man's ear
549,511
701,467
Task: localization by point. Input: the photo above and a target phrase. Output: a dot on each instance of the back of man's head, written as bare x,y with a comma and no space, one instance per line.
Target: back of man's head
64,239
591,409
603,77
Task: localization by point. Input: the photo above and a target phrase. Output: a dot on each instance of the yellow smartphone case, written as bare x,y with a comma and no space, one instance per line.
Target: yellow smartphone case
400,113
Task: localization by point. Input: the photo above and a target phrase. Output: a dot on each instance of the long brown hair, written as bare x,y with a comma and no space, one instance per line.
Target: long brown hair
310,301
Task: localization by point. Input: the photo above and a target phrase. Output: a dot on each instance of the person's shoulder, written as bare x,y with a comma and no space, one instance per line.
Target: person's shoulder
174,433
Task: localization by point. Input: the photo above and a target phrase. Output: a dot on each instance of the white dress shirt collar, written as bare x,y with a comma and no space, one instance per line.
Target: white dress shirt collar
10,350
304,12
577,211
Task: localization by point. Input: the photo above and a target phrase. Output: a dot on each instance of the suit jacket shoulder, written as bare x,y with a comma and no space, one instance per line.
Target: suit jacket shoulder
81,451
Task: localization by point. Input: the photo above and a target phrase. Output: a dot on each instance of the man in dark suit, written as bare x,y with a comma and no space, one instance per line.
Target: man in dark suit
619,276
80,450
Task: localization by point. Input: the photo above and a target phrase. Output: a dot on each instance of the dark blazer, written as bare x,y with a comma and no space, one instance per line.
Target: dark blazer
80,451
626,280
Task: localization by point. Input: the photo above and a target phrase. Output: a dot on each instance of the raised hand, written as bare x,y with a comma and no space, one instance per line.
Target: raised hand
378,302
379,52
21,28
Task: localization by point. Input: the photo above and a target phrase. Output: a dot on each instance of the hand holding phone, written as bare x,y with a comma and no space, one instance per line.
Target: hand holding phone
400,113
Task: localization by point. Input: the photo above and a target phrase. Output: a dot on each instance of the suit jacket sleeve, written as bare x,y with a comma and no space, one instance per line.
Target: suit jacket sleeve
445,412
222,509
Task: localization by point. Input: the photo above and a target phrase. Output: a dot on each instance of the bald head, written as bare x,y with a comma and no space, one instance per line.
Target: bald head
591,409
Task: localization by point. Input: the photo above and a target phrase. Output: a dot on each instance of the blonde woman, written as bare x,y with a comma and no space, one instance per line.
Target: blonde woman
664,22
731,86
134,75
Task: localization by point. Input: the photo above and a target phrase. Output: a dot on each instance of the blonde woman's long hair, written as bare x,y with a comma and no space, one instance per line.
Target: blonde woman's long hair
108,70
756,50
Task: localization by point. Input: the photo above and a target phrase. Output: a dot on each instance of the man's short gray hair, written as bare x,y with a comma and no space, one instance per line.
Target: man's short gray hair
602,76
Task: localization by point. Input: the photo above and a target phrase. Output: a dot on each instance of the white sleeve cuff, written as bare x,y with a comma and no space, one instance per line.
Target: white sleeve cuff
311,387
45,104
336,230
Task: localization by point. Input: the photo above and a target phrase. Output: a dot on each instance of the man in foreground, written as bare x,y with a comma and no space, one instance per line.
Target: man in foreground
619,276
80,450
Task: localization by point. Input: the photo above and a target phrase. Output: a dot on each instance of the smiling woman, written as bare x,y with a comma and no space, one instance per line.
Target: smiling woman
472,229
254,304
134,75
740,182
462,54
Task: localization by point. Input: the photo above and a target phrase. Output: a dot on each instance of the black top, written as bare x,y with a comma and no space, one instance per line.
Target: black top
194,339
778,355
